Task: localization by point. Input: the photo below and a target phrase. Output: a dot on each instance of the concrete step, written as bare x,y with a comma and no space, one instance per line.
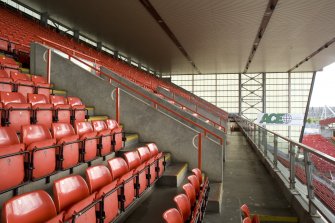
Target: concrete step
90,110
215,197
276,219
98,118
174,175
132,139
59,92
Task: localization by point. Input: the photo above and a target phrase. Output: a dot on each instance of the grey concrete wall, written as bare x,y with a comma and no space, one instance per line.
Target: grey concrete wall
93,90
170,134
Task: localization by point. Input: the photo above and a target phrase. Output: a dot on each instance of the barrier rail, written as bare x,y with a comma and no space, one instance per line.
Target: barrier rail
95,60
295,161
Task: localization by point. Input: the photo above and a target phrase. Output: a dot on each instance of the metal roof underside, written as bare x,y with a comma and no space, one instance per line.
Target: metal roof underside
217,35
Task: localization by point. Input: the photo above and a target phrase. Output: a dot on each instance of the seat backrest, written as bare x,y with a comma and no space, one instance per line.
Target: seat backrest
36,206
3,73
197,172
245,211
144,153
83,127
183,205
60,130
15,75
153,149
190,193
8,136
12,97
34,133
99,125
247,220
112,124
35,99
39,79
172,216
117,167
97,177
58,100
74,101
195,182
133,159
68,191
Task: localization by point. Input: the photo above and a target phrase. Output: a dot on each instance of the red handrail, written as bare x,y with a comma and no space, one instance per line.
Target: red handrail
95,60
146,97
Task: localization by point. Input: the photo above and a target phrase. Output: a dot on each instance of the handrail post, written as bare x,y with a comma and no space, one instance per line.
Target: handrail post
200,151
117,104
292,165
259,138
255,133
275,151
265,142
309,183
49,66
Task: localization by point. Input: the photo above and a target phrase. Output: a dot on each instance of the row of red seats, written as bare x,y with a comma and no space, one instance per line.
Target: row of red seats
37,109
40,153
14,81
23,30
106,193
322,191
191,206
322,144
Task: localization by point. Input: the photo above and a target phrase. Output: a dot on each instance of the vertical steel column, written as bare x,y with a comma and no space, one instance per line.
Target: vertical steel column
259,138
292,165
255,126
193,83
275,151
265,142
264,92
307,106
240,94
289,101
309,182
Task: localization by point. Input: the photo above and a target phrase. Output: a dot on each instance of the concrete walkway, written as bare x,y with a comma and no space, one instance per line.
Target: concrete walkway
245,180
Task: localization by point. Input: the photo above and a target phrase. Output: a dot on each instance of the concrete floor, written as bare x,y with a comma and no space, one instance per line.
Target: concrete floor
245,180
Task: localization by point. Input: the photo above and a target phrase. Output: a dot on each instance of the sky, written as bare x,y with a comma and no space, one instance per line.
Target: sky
324,87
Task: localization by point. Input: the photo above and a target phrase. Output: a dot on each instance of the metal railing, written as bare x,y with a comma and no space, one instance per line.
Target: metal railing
301,167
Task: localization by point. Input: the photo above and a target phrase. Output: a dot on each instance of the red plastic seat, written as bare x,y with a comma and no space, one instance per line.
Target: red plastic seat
172,216
32,207
23,83
69,145
41,146
18,111
195,183
78,109
8,64
117,132
134,163
100,180
12,167
6,83
146,159
62,111
42,109
41,85
190,193
156,155
246,214
247,220
183,205
197,172
90,140
106,137
120,172
71,195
